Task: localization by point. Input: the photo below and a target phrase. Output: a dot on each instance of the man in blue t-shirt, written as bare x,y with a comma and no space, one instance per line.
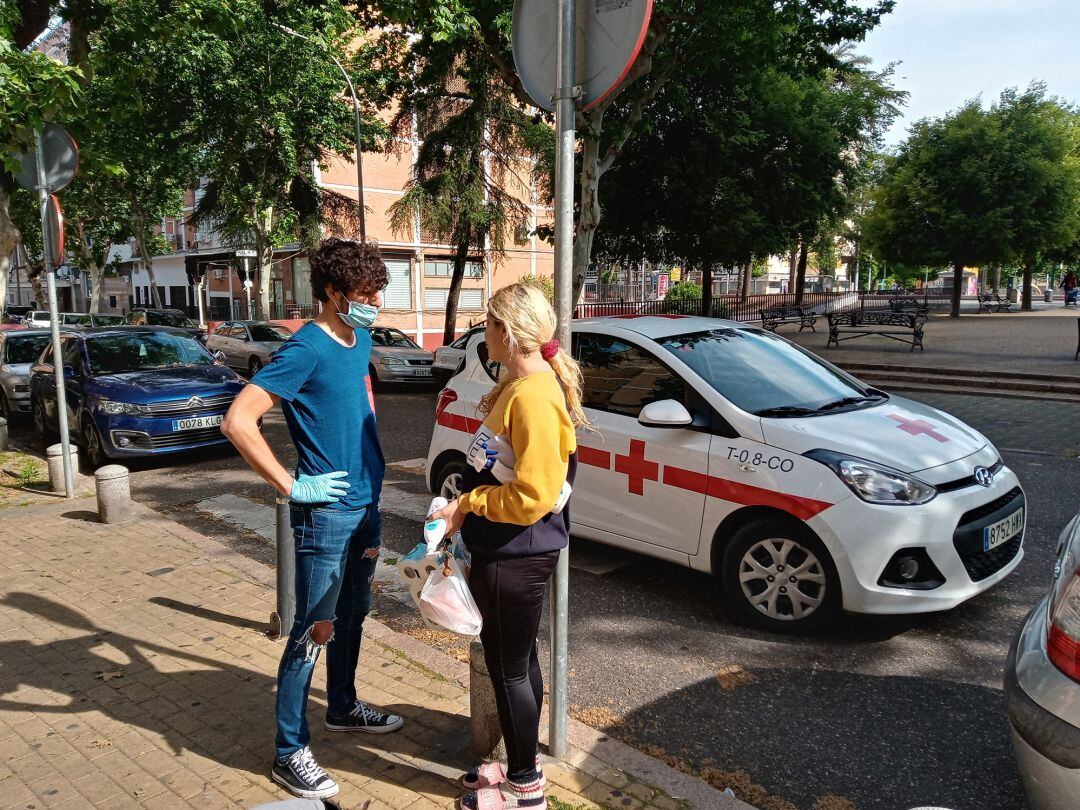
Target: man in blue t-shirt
317,377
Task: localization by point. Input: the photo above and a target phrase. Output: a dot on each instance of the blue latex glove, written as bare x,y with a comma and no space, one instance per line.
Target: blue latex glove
325,488
492,456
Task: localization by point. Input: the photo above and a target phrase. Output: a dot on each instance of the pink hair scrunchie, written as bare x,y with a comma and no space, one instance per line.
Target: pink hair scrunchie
549,349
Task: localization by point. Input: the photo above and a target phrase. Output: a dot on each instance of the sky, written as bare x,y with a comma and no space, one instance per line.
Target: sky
950,51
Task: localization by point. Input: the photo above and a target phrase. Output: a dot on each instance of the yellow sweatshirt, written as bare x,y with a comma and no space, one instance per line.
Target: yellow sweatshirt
531,412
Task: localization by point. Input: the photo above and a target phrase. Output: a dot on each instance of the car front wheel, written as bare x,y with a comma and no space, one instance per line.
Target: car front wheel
96,455
780,577
42,430
448,480
254,365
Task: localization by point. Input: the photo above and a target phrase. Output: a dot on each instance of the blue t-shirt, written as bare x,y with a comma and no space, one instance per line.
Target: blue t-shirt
325,402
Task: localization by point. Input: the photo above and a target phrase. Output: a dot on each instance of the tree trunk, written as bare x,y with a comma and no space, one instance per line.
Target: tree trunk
800,272
706,288
461,256
997,277
35,271
589,210
747,280
793,260
147,260
265,259
1025,291
9,240
957,289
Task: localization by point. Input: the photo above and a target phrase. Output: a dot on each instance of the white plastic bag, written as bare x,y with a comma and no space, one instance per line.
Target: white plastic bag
447,602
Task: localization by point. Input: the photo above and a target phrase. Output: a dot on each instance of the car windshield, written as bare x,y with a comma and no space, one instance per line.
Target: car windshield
108,320
392,337
117,354
169,319
25,349
765,374
269,332
72,318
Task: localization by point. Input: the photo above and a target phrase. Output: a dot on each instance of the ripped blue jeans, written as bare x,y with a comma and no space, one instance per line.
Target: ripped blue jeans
336,552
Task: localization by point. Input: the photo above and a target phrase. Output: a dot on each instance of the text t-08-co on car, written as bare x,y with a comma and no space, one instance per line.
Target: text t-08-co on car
731,450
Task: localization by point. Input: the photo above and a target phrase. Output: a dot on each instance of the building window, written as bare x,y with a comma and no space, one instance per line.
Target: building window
302,282
435,298
444,268
112,302
398,293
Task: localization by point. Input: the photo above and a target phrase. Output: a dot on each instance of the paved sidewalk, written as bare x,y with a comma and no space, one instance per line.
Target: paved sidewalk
1040,342
135,672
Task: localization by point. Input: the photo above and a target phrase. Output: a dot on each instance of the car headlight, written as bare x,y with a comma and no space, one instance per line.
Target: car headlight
115,408
391,361
875,483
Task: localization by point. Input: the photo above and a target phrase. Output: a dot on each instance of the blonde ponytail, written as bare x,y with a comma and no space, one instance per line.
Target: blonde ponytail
530,323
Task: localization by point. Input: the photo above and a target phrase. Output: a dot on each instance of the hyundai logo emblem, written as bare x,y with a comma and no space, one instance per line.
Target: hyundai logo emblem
197,402
983,476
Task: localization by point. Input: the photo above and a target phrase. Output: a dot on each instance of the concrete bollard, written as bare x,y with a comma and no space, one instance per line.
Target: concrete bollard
485,735
54,455
3,434
113,493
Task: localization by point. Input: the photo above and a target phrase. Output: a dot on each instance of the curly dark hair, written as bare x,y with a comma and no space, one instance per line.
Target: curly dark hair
347,266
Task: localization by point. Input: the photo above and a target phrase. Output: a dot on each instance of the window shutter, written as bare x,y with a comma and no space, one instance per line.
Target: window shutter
398,293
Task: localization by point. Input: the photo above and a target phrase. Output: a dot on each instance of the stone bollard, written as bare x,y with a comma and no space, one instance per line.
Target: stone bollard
113,494
3,434
55,457
485,736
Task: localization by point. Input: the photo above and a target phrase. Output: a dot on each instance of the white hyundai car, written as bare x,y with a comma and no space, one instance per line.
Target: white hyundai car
731,450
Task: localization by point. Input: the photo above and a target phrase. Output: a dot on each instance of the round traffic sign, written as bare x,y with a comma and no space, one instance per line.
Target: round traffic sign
610,34
60,156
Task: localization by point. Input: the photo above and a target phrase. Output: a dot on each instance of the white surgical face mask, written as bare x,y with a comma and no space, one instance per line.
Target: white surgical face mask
358,315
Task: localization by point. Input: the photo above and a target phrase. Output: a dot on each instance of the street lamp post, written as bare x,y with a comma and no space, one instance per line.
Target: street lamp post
356,121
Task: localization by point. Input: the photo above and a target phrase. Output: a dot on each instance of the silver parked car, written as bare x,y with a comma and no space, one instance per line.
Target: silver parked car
247,345
1042,686
19,350
396,358
450,359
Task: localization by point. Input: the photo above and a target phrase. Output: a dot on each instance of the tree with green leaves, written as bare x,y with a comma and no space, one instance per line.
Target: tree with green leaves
978,187
685,37
33,90
475,151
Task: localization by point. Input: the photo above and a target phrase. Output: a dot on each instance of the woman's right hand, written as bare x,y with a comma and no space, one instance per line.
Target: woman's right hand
453,516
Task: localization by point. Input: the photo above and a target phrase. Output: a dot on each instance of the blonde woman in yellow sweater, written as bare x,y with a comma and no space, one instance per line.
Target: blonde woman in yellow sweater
511,531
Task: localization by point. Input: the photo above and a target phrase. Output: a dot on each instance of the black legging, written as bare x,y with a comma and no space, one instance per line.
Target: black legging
510,595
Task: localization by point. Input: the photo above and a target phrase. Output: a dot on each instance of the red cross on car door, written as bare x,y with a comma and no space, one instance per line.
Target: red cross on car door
621,488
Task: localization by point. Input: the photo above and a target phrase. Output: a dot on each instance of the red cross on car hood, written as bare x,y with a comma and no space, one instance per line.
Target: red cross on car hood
901,433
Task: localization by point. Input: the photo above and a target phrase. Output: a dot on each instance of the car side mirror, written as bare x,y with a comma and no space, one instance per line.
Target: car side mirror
665,413
219,357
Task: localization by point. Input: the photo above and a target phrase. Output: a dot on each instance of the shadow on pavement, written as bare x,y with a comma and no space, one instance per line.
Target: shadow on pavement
223,712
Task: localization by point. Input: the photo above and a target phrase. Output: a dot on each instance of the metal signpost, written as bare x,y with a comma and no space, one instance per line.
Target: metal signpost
596,43
50,168
244,255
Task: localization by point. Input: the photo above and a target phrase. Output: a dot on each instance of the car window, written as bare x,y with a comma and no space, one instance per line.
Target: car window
107,320
223,329
268,332
759,371
168,319
463,341
493,368
392,337
24,349
117,354
71,354
619,377
236,332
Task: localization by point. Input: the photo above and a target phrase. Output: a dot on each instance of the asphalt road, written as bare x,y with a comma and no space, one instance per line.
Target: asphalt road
879,713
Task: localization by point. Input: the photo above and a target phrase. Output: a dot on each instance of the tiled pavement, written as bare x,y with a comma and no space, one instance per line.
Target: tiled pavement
135,672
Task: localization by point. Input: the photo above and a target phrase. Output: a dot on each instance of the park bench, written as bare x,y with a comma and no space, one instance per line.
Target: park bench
772,317
910,305
987,300
907,327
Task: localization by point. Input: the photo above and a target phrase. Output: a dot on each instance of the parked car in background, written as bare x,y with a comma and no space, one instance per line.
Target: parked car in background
396,358
247,345
36,319
19,350
14,313
450,359
1042,686
91,319
134,391
166,317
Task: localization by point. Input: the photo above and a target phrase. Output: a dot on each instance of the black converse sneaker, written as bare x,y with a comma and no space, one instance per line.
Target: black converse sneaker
301,775
364,718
